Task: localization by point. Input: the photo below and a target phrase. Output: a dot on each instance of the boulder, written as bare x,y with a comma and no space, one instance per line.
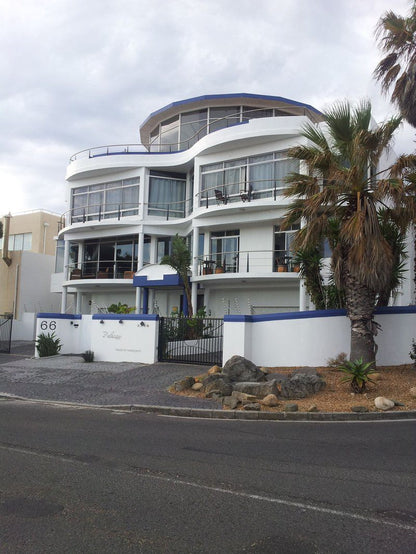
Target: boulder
270,400
230,402
260,390
219,383
397,402
413,392
184,384
290,408
214,369
197,386
239,369
359,409
313,408
301,385
252,407
243,397
382,403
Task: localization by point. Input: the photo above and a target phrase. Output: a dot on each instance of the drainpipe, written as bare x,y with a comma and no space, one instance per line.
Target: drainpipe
6,232
45,226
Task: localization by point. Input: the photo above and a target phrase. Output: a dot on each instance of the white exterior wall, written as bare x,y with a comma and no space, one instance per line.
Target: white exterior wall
310,341
34,284
244,300
133,340
25,327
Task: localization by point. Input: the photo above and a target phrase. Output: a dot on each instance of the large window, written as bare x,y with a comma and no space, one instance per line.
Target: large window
107,200
182,131
109,257
167,194
253,177
59,256
21,241
225,250
283,245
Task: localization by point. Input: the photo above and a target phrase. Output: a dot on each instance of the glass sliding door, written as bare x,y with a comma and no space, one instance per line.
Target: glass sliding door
225,250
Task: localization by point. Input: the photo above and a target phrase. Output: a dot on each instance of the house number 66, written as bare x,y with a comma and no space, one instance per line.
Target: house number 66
45,325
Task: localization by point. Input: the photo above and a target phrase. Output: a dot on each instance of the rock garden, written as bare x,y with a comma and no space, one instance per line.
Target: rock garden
241,385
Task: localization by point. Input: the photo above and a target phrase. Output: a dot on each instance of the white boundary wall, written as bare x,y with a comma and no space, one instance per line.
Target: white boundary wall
289,339
311,338
133,340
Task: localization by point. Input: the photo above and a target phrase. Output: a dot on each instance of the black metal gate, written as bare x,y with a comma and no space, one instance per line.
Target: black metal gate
193,340
5,332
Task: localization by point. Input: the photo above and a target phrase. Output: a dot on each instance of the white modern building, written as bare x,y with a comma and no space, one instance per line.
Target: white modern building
210,169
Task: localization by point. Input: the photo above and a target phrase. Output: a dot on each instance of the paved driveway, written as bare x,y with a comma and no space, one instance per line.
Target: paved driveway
69,378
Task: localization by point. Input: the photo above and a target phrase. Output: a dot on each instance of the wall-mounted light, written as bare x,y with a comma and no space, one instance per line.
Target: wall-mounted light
142,324
121,321
76,325
102,322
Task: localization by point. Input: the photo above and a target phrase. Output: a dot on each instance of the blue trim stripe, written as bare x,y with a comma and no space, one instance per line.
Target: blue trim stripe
286,315
313,314
134,317
396,310
44,315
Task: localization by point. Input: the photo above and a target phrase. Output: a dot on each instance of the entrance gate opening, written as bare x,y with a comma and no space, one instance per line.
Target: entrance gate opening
194,340
6,321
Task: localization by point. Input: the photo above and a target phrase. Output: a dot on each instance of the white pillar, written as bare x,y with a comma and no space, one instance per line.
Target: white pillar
64,289
140,250
138,300
78,302
195,244
302,295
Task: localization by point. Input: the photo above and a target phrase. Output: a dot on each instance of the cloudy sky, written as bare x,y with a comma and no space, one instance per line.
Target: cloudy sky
82,73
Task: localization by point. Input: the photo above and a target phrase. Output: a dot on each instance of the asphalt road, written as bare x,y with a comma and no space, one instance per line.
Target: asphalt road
94,481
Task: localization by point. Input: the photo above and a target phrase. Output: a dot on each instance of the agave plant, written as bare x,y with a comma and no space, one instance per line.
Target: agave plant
357,374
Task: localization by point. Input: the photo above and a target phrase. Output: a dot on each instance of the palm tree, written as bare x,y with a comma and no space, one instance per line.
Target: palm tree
340,184
397,39
180,260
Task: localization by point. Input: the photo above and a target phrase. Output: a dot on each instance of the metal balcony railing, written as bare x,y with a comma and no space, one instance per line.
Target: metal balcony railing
104,211
215,124
247,261
101,269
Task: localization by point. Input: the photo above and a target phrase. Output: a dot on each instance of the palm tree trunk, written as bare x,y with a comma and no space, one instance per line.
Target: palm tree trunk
360,303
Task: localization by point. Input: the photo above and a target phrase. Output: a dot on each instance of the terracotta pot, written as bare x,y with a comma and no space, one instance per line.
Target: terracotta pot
219,270
281,268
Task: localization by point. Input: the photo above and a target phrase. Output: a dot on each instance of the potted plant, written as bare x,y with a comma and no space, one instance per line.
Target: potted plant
219,269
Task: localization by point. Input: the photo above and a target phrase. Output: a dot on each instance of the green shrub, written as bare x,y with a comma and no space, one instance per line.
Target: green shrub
120,309
357,374
48,345
88,356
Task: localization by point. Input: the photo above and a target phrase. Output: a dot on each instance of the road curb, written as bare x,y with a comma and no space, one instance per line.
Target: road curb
225,414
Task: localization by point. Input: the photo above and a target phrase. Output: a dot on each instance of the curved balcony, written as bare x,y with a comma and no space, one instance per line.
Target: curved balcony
248,262
167,146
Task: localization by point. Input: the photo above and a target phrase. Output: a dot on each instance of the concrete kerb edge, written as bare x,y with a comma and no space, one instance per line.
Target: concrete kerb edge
225,414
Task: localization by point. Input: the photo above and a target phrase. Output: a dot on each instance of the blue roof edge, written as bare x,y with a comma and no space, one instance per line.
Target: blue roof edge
229,95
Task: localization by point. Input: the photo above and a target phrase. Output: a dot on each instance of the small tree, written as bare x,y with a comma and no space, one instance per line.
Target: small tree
180,261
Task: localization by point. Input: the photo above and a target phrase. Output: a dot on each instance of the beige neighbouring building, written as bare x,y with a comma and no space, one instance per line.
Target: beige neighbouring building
27,262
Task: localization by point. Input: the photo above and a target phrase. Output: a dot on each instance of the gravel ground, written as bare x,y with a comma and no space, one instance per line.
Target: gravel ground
70,379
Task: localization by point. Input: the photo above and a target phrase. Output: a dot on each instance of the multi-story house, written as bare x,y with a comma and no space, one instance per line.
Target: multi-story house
210,169
28,258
